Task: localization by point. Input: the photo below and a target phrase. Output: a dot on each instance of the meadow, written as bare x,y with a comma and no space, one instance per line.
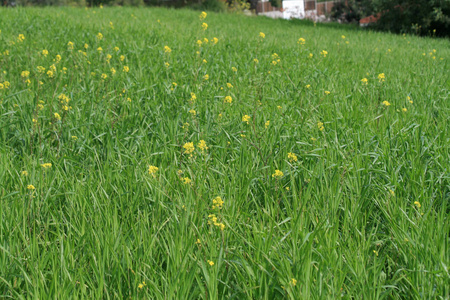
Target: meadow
175,154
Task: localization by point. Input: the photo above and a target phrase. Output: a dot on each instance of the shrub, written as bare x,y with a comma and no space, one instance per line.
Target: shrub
414,16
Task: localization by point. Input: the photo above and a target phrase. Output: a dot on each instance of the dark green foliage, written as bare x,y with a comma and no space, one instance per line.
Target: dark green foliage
211,5
275,3
422,17
351,11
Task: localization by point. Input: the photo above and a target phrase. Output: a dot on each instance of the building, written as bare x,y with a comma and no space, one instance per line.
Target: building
298,9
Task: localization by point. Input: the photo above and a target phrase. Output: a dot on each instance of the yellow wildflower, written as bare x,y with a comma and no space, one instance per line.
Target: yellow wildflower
228,99
381,77
167,49
31,187
417,203
188,148
204,26
301,41
262,35
126,69
193,97
45,52
292,157
46,165
99,36
186,180
217,203
246,118
365,81
211,263
202,145
320,126
278,174
202,16
206,77
152,170
324,53
267,124
57,116
386,103
24,173
294,281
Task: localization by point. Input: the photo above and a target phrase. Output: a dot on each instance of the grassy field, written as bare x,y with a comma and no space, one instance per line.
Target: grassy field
145,156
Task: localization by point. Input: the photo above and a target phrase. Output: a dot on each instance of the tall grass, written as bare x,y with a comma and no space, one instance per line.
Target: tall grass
358,209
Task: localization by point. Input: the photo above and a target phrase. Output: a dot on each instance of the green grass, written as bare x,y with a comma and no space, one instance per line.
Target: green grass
363,213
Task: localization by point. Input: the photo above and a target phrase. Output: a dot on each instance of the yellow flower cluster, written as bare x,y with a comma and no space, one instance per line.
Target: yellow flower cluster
189,148
246,119
278,174
320,126
141,285
152,170
46,165
292,157
213,221
217,203
202,145
20,38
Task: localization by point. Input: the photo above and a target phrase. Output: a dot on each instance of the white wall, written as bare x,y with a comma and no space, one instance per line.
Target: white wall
293,9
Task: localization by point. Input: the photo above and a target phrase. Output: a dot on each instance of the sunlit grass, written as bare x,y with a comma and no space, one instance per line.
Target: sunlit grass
146,155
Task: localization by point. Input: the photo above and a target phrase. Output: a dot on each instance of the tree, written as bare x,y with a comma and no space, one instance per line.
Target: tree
414,16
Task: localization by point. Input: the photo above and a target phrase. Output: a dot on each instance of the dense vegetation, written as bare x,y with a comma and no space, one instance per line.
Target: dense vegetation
159,154
420,17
